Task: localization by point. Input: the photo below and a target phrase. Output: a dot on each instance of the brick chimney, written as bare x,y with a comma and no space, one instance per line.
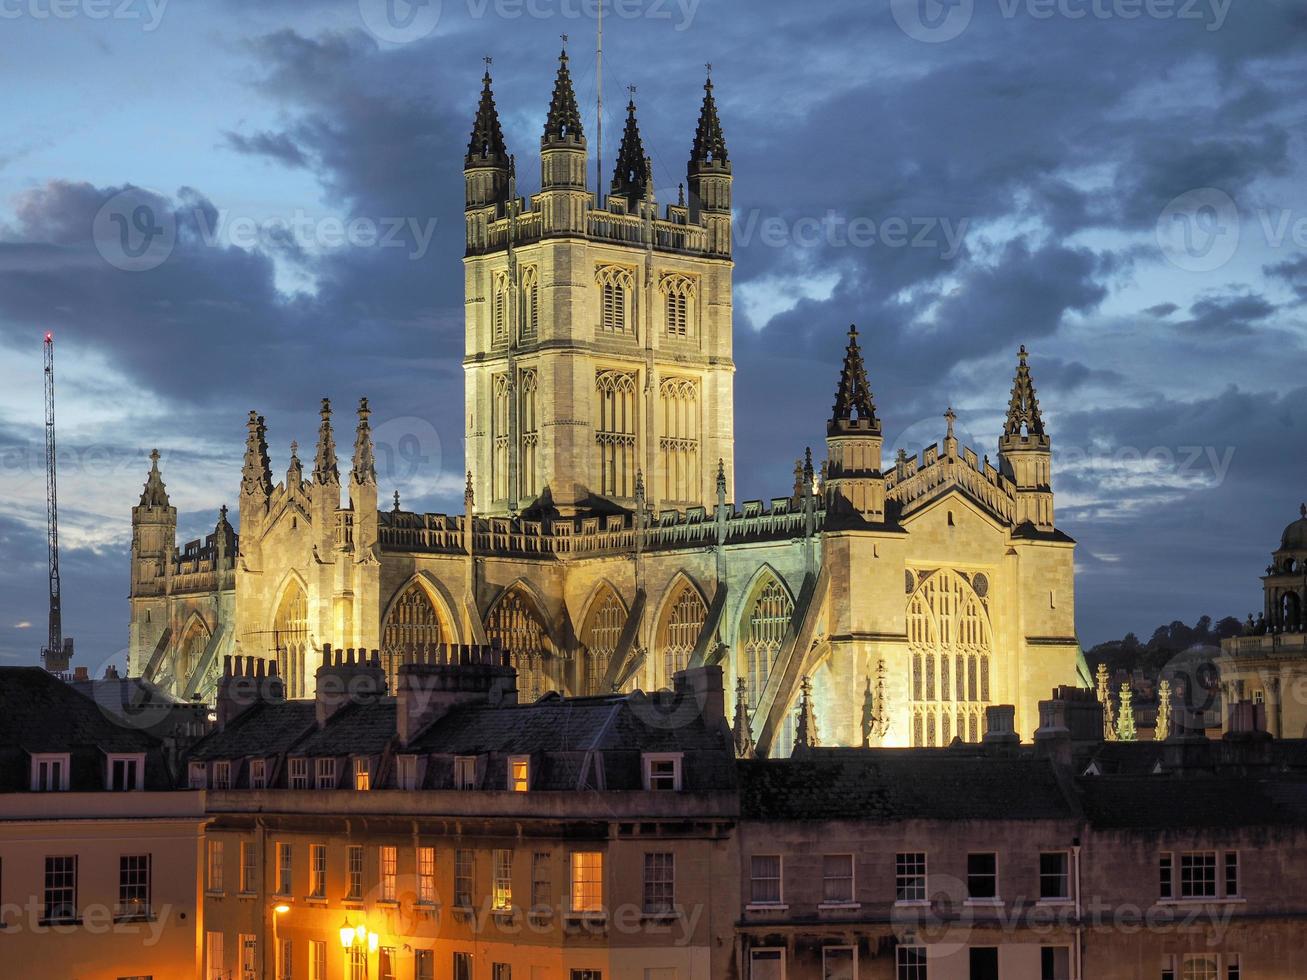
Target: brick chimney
438,679
347,677
245,682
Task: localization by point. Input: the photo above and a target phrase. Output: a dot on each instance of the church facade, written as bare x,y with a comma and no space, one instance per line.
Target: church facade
600,543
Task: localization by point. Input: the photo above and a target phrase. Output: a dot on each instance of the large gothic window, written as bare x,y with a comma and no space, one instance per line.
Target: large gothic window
768,619
681,623
517,626
950,644
502,398
599,638
678,447
411,626
290,638
530,303
678,305
616,286
194,642
529,426
615,430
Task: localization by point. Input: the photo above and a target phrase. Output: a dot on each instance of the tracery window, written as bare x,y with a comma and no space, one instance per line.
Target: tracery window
290,639
412,625
767,622
616,290
615,432
678,304
193,644
516,625
682,623
599,637
678,447
530,303
502,397
499,312
529,424
949,639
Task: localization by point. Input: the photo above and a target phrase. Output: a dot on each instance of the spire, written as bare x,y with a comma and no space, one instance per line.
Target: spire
1023,417
709,150
564,122
365,467
1104,695
631,178
1125,723
1163,729
256,476
325,470
744,747
805,732
721,479
155,493
295,471
854,408
486,148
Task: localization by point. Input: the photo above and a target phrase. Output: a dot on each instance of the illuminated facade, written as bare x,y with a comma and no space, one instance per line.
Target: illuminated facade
600,542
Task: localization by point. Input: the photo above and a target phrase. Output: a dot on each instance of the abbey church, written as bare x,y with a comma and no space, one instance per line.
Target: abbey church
601,543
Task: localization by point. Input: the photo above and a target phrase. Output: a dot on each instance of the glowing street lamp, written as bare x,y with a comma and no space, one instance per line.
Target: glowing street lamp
347,935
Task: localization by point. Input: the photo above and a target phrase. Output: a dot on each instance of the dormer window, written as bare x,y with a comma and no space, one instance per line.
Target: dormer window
199,776
362,775
50,773
519,773
299,773
258,774
407,772
125,773
662,772
465,772
222,775
325,774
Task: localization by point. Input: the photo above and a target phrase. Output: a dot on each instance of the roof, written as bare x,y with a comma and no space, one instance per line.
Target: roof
262,730
41,713
887,785
1189,802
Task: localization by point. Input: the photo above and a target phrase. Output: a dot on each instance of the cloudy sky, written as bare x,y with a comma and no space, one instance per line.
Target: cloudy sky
1117,184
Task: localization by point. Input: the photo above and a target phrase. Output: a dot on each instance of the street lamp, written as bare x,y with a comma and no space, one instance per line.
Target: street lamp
360,937
278,910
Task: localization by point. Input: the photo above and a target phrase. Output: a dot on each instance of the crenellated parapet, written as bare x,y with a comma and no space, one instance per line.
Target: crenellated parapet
914,482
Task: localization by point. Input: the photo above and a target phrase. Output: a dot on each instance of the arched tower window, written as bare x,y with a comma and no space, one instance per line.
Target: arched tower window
412,625
290,639
678,305
615,432
530,303
529,424
502,399
950,643
766,621
599,637
517,626
499,312
682,622
678,447
616,286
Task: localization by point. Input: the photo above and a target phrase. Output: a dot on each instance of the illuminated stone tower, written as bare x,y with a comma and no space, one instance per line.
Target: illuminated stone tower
598,328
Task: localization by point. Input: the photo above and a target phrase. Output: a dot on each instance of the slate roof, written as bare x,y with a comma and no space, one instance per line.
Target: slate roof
1194,802
41,713
893,784
357,729
262,730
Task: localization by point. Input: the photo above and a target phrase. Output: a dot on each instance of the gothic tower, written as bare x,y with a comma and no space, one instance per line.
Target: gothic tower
1026,451
154,542
598,330
854,485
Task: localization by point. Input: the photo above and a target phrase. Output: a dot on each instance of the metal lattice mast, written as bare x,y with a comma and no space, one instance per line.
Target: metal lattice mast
55,648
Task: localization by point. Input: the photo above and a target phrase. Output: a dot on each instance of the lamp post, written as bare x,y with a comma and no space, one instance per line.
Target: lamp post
278,966
361,938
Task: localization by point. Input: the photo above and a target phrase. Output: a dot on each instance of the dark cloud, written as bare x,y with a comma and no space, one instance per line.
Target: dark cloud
276,146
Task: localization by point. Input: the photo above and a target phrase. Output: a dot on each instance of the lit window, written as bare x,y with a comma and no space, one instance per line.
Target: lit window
357,961
133,886
389,873
258,774
199,776
326,774
427,875
837,879
317,871
519,773
49,773
662,773
354,869
317,959
222,775
463,878
659,884
299,773
982,876
910,876
362,775
60,903
1054,877
1198,874
503,881
588,882
765,879
408,772
286,960
284,868
216,964
1055,963
215,866
465,772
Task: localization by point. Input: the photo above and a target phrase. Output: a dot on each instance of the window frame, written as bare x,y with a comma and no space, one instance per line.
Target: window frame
297,768
214,867
761,954
586,883
463,764
47,759
133,763
317,872
917,970
839,948
658,889
426,872
1064,876
754,879
516,783
355,864
222,774
258,774
388,869
992,899
362,769
66,883
249,876
905,879
651,759
284,882
839,903
501,880
324,772
197,776
406,772
137,879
